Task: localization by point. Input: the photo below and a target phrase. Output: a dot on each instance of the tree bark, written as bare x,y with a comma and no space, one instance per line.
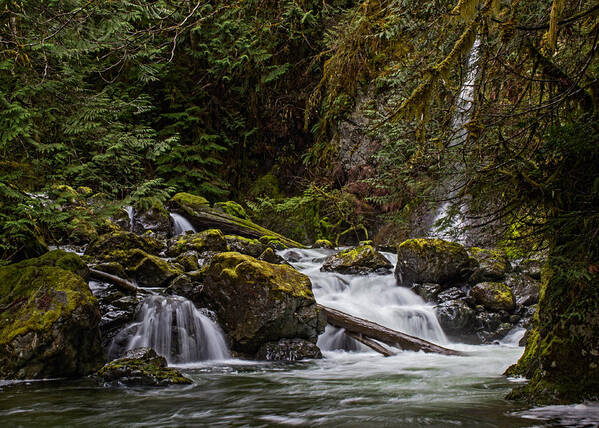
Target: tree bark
121,283
375,346
389,337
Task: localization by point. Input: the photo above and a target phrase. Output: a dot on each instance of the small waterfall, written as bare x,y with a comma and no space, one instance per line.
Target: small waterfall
130,213
177,330
454,228
181,225
373,297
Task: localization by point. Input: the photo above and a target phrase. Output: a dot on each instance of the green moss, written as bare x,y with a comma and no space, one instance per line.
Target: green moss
232,208
85,191
274,242
280,278
142,368
424,246
111,242
207,240
323,243
190,202
36,293
267,185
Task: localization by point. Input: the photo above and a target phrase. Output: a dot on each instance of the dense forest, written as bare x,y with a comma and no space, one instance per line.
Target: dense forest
335,120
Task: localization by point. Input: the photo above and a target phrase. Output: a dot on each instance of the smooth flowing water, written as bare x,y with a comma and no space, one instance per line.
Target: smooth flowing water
181,225
175,329
353,389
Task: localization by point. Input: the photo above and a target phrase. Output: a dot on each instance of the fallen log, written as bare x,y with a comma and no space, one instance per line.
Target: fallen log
121,283
375,346
385,335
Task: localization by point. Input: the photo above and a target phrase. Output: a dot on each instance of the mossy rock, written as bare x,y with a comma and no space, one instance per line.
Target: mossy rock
209,240
188,201
141,367
232,208
188,261
106,245
258,302
324,243
148,270
82,232
427,260
267,185
154,218
289,350
249,246
274,242
492,264
495,296
360,260
48,319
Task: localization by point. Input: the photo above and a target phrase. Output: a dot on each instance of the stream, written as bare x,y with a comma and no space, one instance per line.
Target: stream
351,386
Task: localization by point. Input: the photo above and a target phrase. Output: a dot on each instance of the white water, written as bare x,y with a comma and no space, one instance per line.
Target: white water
130,213
177,330
454,229
181,225
373,297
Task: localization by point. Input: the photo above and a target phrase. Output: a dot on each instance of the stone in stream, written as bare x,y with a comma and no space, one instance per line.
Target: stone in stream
141,367
431,261
492,264
111,246
494,296
360,260
154,218
48,319
256,302
288,350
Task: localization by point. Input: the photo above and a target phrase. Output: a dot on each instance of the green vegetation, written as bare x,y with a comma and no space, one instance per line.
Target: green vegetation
105,104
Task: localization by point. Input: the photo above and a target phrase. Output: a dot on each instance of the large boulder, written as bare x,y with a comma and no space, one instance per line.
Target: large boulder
211,240
494,296
48,319
151,271
258,302
289,350
525,289
360,260
431,260
141,367
154,218
492,264
456,318
108,245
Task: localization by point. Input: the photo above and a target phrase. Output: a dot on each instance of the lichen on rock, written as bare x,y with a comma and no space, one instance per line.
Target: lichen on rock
427,260
141,367
359,260
495,296
48,319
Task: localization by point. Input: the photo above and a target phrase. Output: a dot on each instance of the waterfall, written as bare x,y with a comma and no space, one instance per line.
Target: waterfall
130,213
175,329
181,225
454,228
373,297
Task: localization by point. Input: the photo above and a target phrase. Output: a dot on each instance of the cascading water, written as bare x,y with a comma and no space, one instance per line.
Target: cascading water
373,297
131,214
181,225
454,229
175,329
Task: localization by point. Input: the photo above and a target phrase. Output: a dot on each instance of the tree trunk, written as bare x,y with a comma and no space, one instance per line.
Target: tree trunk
375,346
121,283
390,337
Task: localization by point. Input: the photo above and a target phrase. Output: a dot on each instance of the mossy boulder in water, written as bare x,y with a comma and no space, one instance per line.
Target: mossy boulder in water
151,271
141,367
431,260
106,245
323,243
492,264
360,260
48,319
258,302
154,218
495,296
289,350
249,246
211,240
